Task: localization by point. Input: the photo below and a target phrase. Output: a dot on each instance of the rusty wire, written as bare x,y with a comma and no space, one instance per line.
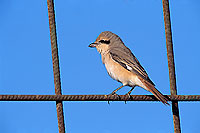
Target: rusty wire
59,97
95,98
56,70
171,65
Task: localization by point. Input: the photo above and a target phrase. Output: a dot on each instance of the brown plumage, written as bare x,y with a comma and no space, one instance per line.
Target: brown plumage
122,65
154,91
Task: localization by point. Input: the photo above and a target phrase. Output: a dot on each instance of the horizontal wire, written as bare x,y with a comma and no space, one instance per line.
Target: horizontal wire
96,98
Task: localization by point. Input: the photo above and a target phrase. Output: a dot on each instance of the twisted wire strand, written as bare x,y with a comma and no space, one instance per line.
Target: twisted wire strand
95,98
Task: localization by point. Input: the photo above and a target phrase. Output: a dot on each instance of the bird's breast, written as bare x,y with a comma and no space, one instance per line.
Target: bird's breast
117,72
112,71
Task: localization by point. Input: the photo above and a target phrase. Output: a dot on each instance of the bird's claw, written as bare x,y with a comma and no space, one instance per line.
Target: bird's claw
107,99
112,94
129,97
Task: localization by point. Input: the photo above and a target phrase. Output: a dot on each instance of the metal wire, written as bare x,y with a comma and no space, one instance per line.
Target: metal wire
56,70
171,65
95,98
59,97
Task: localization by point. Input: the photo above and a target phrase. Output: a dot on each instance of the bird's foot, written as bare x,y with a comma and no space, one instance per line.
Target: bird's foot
112,94
129,97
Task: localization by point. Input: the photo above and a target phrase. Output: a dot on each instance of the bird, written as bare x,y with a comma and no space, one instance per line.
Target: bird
123,66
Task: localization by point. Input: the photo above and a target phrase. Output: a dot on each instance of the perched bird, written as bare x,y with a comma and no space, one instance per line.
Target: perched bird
122,65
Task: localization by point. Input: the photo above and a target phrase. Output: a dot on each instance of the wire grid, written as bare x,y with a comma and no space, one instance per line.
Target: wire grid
58,97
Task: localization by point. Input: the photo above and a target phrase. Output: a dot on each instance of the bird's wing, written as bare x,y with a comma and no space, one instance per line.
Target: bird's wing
126,59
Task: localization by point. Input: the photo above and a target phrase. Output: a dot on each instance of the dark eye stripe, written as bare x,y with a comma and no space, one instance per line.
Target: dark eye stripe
105,41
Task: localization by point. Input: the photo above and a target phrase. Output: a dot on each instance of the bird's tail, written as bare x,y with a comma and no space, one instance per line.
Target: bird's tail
155,92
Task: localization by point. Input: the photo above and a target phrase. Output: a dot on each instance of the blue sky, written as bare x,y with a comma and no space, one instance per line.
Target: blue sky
26,64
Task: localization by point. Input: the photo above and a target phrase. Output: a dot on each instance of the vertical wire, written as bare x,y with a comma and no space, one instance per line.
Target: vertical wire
56,70
171,65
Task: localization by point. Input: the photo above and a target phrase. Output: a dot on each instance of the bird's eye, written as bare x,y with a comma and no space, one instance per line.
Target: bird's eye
105,41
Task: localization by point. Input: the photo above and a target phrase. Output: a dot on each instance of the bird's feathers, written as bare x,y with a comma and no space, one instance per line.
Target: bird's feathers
154,91
122,65
127,60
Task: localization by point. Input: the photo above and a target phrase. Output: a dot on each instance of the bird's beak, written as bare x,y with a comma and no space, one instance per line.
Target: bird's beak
92,45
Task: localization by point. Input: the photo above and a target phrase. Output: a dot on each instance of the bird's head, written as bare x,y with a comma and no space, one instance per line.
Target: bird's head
105,41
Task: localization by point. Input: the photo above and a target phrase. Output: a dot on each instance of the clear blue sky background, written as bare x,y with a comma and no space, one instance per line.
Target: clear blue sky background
26,64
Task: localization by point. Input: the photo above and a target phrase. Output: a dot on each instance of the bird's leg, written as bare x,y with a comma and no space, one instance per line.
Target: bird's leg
129,93
114,93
